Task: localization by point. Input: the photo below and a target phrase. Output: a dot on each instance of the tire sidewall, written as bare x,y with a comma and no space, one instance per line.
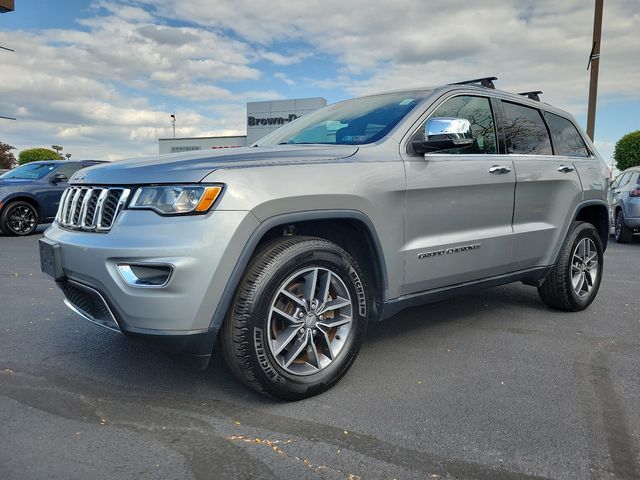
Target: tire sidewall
5,219
269,369
619,225
581,232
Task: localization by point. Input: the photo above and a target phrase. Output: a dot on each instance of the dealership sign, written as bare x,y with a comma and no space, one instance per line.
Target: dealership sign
255,122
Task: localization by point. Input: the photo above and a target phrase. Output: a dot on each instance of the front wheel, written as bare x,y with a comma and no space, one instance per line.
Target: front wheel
18,218
575,279
298,318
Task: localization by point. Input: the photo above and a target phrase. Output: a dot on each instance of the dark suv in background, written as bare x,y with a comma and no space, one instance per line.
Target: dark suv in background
624,204
30,194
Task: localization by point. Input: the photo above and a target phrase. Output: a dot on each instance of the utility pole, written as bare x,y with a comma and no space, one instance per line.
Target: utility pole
594,63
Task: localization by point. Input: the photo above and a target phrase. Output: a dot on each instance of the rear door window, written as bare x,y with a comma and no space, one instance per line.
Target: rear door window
566,139
525,131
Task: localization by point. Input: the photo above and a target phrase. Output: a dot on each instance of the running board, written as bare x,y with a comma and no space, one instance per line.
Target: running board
530,276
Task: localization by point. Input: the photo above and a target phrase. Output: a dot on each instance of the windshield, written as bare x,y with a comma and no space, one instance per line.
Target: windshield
353,122
30,171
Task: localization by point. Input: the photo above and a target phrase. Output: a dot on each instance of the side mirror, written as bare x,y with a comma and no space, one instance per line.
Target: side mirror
58,178
444,133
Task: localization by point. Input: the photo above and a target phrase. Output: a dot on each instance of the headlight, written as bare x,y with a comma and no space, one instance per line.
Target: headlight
176,199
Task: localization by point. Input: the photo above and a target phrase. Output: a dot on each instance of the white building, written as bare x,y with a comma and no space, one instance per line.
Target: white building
262,118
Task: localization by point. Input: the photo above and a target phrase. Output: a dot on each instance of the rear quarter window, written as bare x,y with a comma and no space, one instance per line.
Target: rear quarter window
566,139
525,131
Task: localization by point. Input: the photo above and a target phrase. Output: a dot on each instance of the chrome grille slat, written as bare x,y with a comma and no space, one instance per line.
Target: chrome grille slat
74,204
67,204
85,207
92,209
63,199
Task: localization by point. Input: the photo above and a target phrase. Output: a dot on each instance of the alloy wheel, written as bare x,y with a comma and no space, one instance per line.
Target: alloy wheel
585,265
21,220
310,320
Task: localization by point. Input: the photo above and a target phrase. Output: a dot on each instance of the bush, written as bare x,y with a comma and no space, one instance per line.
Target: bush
7,160
36,155
627,151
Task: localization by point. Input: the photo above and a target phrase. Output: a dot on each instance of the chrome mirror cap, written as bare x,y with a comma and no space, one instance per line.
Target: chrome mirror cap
452,127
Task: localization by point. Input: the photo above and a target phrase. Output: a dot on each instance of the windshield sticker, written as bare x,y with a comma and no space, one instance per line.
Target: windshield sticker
354,138
407,101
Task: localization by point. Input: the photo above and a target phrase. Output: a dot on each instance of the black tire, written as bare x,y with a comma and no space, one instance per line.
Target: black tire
18,219
246,348
557,290
623,234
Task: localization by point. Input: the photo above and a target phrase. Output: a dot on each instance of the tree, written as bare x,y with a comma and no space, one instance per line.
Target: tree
627,151
7,159
36,154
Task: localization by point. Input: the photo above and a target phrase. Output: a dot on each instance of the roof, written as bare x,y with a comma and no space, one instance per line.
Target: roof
64,161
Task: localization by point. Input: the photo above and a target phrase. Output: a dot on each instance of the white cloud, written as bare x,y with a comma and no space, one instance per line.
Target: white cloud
528,44
284,77
102,88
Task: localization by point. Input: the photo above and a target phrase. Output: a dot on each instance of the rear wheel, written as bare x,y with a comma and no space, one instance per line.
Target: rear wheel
18,218
623,234
298,318
575,279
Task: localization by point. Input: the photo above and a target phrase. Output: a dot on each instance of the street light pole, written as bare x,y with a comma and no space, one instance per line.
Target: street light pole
594,64
58,149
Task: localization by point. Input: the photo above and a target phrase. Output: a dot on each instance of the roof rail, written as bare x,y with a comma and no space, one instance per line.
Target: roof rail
533,95
486,82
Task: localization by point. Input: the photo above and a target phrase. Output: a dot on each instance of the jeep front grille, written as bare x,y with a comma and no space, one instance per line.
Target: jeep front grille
91,208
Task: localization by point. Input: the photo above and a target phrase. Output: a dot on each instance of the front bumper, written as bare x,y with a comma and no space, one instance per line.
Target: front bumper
202,251
632,222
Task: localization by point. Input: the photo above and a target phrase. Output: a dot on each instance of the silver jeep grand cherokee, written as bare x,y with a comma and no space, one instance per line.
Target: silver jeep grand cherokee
280,253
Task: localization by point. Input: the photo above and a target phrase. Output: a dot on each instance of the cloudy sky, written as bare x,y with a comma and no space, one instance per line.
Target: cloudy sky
102,77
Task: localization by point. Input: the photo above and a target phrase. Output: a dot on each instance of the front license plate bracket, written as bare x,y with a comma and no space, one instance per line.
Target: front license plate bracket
50,259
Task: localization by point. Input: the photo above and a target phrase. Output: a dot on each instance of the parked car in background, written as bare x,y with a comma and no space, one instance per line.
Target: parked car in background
624,204
30,194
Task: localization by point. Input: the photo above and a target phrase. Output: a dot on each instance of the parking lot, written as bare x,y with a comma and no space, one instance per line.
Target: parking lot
491,385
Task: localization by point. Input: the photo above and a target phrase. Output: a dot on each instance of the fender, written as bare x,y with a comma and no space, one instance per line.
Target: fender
21,195
574,216
268,224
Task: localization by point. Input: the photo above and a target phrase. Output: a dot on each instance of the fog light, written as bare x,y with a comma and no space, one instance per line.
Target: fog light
145,275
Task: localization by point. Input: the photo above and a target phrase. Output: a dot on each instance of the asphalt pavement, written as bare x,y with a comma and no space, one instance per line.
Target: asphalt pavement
492,385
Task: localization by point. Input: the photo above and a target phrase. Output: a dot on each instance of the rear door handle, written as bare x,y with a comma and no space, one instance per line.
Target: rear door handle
565,168
499,170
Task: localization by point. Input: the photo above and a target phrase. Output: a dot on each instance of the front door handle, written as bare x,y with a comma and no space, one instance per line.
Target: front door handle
499,170
565,168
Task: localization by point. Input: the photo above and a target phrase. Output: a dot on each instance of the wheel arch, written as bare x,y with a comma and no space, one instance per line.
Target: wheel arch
315,223
595,212
22,197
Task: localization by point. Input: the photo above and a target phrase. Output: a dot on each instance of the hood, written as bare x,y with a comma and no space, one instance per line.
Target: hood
192,167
